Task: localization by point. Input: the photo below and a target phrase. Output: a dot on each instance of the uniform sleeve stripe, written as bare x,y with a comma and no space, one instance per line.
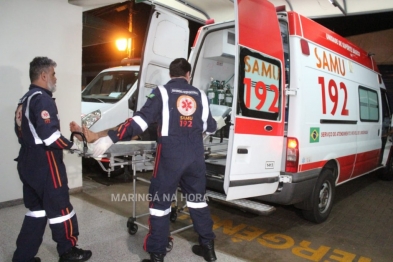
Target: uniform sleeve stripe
62,142
165,111
123,128
143,125
205,112
50,140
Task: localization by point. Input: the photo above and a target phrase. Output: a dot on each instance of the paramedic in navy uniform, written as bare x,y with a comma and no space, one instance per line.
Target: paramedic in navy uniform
42,171
183,115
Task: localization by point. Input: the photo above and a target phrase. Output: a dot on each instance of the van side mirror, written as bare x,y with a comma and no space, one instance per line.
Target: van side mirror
132,102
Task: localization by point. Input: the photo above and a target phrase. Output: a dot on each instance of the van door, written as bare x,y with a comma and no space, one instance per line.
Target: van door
167,38
256,139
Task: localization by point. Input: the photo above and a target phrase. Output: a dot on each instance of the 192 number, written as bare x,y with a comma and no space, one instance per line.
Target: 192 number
333,95
260,92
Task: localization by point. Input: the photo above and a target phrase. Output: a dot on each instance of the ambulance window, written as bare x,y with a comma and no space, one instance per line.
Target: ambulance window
285,43
259,86
368,105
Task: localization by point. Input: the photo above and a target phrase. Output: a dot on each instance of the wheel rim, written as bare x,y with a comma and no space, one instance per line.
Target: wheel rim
325,196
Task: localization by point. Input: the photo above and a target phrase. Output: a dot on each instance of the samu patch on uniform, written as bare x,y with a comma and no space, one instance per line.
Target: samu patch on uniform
18,116
45,115
186,105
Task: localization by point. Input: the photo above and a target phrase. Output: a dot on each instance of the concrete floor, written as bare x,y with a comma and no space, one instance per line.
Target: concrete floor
359,229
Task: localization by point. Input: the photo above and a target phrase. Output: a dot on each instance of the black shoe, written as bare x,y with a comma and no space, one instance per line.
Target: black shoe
37,259
155,258
205,251
75,254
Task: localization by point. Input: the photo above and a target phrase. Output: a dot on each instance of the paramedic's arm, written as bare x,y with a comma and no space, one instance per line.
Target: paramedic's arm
47,123
90,135
211,125
141,120
132,126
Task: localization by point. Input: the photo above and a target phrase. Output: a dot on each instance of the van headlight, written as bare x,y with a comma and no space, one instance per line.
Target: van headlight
91,118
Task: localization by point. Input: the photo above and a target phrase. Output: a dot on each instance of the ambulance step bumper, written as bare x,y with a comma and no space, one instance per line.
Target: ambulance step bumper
245,204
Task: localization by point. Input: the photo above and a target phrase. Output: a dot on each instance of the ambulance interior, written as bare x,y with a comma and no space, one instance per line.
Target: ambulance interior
214,74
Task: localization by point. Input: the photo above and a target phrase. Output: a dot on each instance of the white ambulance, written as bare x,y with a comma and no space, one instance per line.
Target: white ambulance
307,109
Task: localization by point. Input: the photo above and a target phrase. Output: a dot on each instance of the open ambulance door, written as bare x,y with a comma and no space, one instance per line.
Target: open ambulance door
256,138
167,38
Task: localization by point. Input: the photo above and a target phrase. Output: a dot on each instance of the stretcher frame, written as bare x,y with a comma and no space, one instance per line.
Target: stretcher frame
118,155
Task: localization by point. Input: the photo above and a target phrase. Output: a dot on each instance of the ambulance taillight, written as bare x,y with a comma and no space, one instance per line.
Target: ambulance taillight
292,160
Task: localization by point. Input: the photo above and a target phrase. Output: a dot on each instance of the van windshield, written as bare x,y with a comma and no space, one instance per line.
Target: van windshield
109,87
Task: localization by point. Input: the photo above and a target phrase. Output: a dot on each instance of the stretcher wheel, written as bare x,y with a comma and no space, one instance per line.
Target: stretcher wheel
173,215
132,229
170,244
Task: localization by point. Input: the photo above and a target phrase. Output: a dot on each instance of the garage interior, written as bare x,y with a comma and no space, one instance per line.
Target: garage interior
359,229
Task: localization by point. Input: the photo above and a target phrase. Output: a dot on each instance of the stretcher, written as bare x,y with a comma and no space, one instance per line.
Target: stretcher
136,152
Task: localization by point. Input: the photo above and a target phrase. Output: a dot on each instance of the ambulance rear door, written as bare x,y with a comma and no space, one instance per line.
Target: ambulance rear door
167,38
256,139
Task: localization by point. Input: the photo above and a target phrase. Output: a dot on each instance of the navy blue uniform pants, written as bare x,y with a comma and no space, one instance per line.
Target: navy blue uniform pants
45,194
178,163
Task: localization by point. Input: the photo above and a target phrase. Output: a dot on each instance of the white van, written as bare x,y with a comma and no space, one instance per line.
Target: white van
110,98
309,109
107,101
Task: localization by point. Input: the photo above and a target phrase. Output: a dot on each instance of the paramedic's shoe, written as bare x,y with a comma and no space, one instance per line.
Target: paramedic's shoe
155,258
205,251
75,254
37,259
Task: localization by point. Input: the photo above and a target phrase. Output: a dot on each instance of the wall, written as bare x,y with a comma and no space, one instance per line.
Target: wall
30,28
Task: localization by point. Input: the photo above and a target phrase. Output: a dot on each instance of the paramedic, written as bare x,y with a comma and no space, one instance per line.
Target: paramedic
183,115
42,171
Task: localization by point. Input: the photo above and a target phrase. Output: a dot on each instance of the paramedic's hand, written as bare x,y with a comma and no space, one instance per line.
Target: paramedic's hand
90,135
220,122
101,145
74,127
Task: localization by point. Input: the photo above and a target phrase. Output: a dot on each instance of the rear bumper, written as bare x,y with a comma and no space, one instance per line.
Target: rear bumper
298,190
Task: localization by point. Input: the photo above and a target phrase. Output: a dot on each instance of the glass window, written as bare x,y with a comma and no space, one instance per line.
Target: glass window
109,87
369,105
259,86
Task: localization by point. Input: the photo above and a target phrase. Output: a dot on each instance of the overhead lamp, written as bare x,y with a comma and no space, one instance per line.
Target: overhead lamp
121,44
336,4
124,44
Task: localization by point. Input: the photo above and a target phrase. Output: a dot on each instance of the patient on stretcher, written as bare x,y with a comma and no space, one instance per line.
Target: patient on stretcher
149,136
220,113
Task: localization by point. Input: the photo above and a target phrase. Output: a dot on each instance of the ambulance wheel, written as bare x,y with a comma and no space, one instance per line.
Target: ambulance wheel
173,215
132,229
170,244
387,172
321,198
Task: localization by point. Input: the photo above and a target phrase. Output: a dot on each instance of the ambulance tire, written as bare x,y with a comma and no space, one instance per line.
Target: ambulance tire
321,198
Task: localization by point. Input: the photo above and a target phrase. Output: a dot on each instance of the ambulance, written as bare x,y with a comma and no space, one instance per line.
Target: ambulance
305,109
